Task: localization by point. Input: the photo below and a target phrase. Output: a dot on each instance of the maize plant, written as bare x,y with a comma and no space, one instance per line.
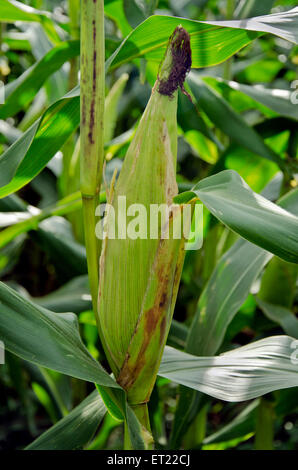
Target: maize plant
136,318
148,225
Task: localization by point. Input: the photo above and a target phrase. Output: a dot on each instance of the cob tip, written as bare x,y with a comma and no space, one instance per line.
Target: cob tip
176,64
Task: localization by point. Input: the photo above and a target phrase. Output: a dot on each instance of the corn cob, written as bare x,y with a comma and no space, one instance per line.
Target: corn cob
139,278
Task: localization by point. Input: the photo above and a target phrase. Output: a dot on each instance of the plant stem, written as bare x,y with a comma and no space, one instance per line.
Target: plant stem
265,425
92,248
92,135
141,412
92,132
197,430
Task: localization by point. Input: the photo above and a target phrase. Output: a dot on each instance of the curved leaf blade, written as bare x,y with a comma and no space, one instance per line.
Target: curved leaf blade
238,375
227,289
76,429
47,339
212,42
283,24
30,154
16,11
205,41
256,219
280,315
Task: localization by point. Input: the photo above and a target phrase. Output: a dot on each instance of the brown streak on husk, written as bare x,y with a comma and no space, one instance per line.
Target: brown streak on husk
129,373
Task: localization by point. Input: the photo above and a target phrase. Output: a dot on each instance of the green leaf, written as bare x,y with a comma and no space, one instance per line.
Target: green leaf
117,405
20,92
241,374
253,8
282,24
231,123
52,340
47,339
22,222
177,334
114,10
278,285
12,10
280,315
74,296
243,424
76,429
223,295
212,42
30,154
110,403
256,219
275,99
16,41
290,201
55,237
135,11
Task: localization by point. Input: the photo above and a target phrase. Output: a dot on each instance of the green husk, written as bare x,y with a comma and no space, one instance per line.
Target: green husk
139,278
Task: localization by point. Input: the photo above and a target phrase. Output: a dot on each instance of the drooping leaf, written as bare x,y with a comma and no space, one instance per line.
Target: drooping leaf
30,154
52,340
282,24
47,339
12,10
76,429
212,42
220,300
241,374
250,215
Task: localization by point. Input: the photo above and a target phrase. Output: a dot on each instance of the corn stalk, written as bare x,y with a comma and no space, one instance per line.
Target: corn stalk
92,128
